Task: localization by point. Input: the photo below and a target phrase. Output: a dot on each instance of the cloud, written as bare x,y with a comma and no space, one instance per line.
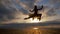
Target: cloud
51,9
7,10
13,11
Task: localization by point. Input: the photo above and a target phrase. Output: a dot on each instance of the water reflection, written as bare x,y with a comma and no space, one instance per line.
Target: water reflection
29,31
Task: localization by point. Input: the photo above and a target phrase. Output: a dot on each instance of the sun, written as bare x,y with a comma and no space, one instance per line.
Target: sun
35,20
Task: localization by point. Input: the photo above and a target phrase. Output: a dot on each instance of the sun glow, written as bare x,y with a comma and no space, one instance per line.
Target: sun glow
35,20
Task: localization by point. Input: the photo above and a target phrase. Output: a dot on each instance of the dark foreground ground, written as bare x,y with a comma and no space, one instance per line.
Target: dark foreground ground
24,28
29,31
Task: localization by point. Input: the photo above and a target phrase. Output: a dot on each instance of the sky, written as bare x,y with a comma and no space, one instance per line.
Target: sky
14,11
